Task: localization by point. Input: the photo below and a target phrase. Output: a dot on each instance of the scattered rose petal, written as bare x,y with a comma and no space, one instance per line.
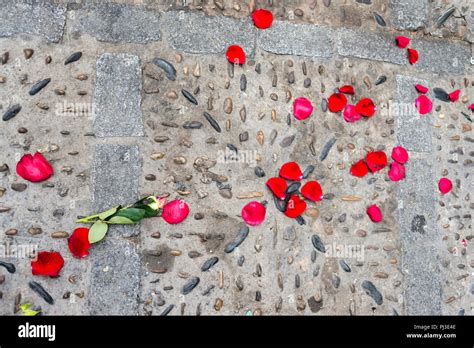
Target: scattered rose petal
350,113
262,18
312,190
412,56
34,168
402,41
175,211
291,171
423,104
400,155
464,242
396,172
421,89
47,264
366,107
376,160
359,169
235,54
471,107
79,243
445,185
302,108
253,213
337,102
347,89
374,213
454,96
278,187
295,207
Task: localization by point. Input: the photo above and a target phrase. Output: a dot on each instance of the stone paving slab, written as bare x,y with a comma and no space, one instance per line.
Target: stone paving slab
43,18
435,55
409,14
115,278
298,39
117,97
116,169
197,33
412,129
117,23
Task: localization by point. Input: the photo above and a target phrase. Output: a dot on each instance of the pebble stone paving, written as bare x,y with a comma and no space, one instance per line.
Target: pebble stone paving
114,128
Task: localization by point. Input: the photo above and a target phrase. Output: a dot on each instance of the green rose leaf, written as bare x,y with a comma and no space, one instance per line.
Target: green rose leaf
26,311
120,220
134,214
149,212
107,213
97,231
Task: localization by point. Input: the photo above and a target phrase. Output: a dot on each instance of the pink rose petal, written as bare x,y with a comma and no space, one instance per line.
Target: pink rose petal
374,213
400,155
423,104
454,96
175,211
350,113
253,213
396,172
302,108
445,185
421,89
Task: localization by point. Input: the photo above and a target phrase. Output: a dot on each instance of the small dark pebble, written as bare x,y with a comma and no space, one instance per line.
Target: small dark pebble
10,267
307,172
208,290
307,82
38,86
192,125
372,291
293,187
326,148
241,236
241,260
300,220
36,287
441,94
287,141
244,136
379,19
167,310
243,83
259,172
445,16
11,112
318,243
189,97
167,67
232,148
73,58
280,205
380,80
209,263
345,267
190,285
212,122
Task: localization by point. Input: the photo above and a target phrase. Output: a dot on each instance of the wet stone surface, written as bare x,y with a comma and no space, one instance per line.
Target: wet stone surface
145,136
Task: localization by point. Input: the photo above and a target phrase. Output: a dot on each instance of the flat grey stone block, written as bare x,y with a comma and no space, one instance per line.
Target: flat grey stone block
117,23
368,45
409,14
117,97
115,175
414,131
198,33
114,278
43,18
297,39
442,56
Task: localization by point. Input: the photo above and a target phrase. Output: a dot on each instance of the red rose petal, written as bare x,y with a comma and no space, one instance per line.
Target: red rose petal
421,89
34,168
423,104
396,172
262,18
454,96
400,155
337,102
402,41
312,190
235,54
347,89
278,187
47,264
175,211
445,185
366,107
78,242
350,114
291,171
302,108
295,207
374,213
359,169
412,56
253,213
376,160
471,107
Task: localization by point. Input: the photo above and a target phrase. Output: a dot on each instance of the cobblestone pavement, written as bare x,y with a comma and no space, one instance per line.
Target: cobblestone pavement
420,257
